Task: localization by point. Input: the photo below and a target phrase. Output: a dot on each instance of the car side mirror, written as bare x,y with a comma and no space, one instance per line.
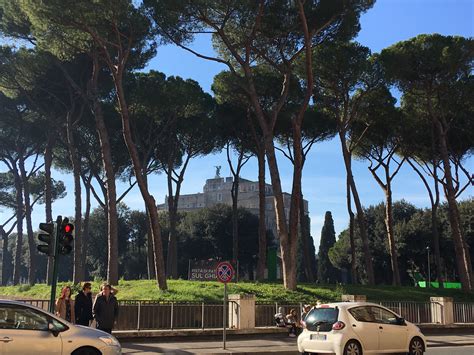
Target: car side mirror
53,329
401,321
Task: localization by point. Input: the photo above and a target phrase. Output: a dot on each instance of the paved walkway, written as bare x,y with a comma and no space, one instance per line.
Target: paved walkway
265,345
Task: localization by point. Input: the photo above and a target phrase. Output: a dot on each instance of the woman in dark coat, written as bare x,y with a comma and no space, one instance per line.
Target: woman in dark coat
83,305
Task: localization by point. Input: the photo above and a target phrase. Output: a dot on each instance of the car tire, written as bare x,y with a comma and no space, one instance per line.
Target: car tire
352,347
416,347
88,350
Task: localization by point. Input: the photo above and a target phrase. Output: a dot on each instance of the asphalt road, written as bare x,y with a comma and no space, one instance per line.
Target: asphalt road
253,347
454,350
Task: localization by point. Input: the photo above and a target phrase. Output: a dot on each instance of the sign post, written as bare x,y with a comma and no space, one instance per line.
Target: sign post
225,273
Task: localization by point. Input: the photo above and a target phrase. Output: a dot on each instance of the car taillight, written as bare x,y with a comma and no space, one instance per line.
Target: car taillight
338,325
303,324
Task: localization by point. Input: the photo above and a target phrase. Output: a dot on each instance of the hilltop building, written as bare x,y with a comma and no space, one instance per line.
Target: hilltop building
218,191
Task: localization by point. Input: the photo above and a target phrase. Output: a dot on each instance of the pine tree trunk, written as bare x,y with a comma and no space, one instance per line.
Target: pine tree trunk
351,233
4,238
289,266
147,197
305,235
77,275
107,162
29,226
172,252
435,231
150,258
85,227
235,219
262,228
360,211
460,246
48,160
19,226
390,231
296,197
150,255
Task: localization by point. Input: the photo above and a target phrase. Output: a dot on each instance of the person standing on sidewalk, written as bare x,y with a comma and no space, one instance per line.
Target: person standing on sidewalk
83,305
105,310
65,305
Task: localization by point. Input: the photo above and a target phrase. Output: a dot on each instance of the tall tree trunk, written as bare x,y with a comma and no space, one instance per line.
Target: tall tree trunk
289,266
460,246
434,200
107,162
351,232
19,225
360,211
305,235
390,230
296,197
150,257
29,225
435,230
147,197
172,255
4,238
234,192
172,252
150,254
77,275
262,228
48,200
235,218
85,226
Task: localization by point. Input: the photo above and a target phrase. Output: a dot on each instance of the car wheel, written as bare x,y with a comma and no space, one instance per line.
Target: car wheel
416,347
352,348
86,351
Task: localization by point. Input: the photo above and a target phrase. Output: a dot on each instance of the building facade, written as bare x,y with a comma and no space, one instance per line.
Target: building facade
218,191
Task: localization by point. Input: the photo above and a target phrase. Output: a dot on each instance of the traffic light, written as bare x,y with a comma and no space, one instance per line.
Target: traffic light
46,235
65,237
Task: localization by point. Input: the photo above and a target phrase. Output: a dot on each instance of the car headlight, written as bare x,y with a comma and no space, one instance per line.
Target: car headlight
110,341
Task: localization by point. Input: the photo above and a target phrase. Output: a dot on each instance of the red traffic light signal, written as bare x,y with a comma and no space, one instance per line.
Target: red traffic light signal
66,238
68,228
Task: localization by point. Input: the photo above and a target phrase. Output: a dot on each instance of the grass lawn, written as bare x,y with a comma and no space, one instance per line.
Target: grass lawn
195,291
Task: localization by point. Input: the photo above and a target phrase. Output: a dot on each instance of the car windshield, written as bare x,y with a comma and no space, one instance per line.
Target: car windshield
321,319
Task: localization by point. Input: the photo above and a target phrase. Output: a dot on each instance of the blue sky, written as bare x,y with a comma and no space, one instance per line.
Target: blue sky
388,22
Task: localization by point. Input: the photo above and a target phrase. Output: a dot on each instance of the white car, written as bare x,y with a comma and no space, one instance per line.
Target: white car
28,330
356,328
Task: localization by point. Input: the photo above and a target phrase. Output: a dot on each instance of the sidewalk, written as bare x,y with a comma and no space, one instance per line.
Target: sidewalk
264,345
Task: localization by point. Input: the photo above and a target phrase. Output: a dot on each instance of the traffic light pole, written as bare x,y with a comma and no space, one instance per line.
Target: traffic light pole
54,279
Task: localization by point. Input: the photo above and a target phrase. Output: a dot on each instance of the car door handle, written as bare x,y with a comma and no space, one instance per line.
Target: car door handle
6,339
380,327
355,326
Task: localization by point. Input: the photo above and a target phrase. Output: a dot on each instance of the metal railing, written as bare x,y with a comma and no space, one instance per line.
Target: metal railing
416,312
265,312
463,312
148,315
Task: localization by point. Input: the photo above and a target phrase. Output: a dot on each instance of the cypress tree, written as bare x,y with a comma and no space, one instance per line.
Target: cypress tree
327,273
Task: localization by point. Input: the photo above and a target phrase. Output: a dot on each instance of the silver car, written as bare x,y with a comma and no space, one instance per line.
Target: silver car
25,330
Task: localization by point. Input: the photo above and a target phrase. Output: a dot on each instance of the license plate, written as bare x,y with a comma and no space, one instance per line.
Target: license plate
318,337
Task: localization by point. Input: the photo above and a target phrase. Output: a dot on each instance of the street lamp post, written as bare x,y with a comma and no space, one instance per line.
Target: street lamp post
429,267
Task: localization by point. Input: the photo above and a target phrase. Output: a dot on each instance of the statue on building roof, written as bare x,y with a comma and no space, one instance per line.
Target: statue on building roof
218,171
